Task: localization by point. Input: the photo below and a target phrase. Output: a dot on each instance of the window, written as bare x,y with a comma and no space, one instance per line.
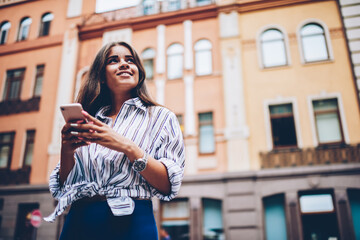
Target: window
1,208
203,2
327,121
175,219
148,56
273,50
203,57
318,215
181,122
45,24
6,147
213,227
314,45
24,29
29,148
174,5
354,200
14,79
175,61
149,7
24,229
283,125
275,218
206,133
4,31
39,80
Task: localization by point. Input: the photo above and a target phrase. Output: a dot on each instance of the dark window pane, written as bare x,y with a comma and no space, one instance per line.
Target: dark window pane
283,125
6,146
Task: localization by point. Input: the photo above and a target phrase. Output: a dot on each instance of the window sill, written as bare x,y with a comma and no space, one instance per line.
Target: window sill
326,61
19,106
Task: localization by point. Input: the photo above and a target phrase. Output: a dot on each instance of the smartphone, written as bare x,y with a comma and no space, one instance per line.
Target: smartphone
72,112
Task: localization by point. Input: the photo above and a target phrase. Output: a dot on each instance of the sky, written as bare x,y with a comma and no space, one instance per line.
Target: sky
108,5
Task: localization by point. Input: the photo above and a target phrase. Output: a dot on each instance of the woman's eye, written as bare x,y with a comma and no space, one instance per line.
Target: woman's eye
112,60
130,60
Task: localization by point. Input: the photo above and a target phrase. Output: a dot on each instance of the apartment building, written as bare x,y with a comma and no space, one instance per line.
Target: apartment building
264,91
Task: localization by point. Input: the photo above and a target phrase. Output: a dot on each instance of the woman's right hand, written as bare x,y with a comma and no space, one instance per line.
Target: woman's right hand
69,143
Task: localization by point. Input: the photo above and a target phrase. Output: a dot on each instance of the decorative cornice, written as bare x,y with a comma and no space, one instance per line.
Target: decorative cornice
42,42
256,5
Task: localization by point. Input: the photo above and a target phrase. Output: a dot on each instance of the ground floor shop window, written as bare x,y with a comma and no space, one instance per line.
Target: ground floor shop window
275,218
213,228
175,220
24,230
354,199
318,215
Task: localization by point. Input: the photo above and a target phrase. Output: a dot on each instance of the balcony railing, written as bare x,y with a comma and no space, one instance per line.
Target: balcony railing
310,156
12,177
148,7
19,106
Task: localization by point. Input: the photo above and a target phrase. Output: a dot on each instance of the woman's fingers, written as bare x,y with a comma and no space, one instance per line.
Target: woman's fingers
92,119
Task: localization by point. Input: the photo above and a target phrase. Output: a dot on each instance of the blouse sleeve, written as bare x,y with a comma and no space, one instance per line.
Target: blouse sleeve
171,153
57,190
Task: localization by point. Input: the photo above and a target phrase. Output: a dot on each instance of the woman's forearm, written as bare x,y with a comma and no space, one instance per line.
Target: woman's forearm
155,172
66,164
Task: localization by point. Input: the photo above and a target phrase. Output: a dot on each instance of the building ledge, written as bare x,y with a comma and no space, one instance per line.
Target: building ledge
27,45
289,172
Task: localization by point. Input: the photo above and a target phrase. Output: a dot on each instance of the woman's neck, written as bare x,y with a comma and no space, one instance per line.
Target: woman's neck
117,102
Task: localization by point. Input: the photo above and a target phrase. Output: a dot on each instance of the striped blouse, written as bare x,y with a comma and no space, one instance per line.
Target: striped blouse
101,171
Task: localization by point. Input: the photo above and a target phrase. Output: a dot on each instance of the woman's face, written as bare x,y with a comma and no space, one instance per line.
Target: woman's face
122,74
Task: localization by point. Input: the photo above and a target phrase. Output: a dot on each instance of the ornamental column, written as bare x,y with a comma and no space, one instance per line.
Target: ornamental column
236,130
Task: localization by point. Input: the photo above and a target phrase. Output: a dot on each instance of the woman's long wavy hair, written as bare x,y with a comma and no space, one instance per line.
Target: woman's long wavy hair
95,93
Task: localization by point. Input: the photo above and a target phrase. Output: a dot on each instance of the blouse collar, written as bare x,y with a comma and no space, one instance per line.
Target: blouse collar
101,114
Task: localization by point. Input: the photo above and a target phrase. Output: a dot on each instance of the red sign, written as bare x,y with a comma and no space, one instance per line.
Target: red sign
36,218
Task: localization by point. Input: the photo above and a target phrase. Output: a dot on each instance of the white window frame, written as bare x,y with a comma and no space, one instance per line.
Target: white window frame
259,47
325,96
182,60
42,22
148,54
3,29
196,50
278,101
327,39
21,29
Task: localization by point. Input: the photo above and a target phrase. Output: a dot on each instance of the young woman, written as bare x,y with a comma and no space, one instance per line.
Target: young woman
111,166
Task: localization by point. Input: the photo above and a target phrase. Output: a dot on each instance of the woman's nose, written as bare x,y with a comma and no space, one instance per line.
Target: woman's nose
123,64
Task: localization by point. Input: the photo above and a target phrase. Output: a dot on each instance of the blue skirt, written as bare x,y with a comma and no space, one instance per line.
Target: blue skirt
95,221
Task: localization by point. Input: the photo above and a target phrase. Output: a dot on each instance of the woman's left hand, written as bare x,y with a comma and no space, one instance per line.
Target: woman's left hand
98,132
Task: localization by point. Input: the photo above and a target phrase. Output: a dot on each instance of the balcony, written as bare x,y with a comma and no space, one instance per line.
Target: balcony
310,156
146,8
12,177
19,106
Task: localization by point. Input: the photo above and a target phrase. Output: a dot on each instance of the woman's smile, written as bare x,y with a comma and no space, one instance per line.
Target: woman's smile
122,74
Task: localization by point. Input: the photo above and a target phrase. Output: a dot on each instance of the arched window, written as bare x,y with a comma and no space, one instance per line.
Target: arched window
24,28
148,56
273,48
4,31
45,24
175,61
314,45
203,57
